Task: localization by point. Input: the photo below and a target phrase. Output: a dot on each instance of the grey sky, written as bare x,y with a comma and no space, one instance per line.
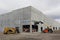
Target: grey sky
48,7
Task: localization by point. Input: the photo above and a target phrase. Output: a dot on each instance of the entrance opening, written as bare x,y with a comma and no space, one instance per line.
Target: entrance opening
34,28
41,28
53,28
56,28
26,28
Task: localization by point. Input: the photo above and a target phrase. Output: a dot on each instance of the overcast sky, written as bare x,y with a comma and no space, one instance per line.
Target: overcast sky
48,7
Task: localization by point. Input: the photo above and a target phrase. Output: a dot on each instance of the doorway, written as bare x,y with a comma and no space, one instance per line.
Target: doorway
34,28
26,28
41,29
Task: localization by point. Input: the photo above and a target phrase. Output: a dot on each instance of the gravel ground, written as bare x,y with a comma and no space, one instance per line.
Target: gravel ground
30,36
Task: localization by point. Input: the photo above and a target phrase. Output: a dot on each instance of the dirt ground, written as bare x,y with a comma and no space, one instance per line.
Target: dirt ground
30,36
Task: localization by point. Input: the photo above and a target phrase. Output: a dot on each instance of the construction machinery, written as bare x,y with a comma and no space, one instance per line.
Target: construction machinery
46,30
10,30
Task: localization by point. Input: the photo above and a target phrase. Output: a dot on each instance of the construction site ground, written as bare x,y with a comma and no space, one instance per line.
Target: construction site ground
30,36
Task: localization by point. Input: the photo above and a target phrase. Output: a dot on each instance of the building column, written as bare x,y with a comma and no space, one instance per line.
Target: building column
30,28
21,27
39,28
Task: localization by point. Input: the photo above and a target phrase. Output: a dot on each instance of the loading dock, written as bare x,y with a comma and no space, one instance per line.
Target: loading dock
26,28
34,28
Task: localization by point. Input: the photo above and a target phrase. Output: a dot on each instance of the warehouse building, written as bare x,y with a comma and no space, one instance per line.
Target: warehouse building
26,18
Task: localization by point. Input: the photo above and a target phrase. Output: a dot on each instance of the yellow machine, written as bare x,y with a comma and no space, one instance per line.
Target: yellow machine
9,30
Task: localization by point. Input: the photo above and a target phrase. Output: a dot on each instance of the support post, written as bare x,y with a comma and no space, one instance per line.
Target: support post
39,28
30,27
